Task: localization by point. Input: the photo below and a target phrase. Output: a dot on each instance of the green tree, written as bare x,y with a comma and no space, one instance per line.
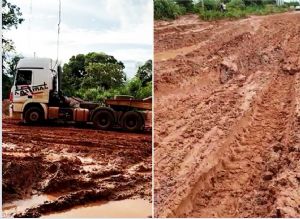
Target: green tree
94,57
93,70
133,86
188,5
240,4
144,72
104,75
253,2
11,18
12,65
8,76
166,9
145,91
73,73
212,4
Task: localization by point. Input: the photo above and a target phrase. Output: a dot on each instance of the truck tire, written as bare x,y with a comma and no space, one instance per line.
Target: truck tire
132,121
33,115
103,120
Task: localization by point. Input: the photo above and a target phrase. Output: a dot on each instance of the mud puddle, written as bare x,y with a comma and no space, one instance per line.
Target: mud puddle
57,160
171,54
113,209
9,209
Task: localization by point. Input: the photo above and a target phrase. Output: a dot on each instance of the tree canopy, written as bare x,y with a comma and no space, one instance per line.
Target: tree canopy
96,76
144,72
11,18
93,70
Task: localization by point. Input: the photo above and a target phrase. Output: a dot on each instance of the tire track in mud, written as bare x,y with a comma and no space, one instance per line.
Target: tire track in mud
196,145
210,105
241,174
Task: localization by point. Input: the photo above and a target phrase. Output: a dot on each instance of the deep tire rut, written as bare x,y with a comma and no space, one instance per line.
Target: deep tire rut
244,172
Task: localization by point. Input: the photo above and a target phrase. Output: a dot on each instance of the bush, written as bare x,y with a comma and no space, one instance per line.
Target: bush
212,15
133,88
166,9
236,4
265,2
289,4
236,10
88,94
186,5
212,4
144,92
253,2
236,13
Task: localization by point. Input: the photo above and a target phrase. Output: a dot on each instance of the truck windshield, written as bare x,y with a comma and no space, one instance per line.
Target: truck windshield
24,77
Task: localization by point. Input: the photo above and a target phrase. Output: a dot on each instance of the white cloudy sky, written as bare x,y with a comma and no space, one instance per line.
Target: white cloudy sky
122,28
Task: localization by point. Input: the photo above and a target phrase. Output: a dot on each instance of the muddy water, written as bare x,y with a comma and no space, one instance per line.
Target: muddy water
58,159
8,209
113,209
163,56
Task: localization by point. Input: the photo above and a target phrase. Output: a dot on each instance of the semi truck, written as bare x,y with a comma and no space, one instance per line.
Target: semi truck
36,97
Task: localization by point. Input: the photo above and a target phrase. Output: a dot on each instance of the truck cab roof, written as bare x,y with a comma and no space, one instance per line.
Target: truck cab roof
40,63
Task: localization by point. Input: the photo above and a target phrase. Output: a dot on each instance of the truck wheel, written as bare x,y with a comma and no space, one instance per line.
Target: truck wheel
132,121
103,120
33,115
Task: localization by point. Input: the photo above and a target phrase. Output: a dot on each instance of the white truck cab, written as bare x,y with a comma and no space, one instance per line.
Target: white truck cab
34,79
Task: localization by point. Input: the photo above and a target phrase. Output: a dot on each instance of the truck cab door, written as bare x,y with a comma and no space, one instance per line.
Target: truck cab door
42,84
21,90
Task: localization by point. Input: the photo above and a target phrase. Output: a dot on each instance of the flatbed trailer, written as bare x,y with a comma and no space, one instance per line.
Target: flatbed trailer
133,103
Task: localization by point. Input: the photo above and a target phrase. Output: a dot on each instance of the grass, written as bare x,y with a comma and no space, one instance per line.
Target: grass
166,10
169,9
236,13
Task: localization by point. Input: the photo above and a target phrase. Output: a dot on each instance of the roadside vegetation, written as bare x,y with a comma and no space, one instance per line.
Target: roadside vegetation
97,76
167,9
11,18
238,9
211,9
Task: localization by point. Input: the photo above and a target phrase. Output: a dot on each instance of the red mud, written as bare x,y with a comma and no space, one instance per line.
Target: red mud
227,117
78,166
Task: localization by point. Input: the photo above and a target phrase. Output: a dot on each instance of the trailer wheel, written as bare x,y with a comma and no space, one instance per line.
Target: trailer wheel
33,115
132,121
103,120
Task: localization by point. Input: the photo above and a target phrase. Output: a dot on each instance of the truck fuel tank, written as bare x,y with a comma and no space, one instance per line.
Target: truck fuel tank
80,115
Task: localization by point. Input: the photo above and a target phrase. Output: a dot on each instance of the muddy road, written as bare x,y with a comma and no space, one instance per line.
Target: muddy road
227,117
61,171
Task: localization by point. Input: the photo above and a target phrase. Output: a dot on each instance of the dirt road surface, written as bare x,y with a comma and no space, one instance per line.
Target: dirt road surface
227,117
52,169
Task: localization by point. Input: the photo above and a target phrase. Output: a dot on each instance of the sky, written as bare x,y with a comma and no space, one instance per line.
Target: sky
122,28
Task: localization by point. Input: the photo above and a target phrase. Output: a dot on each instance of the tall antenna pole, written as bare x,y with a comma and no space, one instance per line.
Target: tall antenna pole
58,31
29,25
